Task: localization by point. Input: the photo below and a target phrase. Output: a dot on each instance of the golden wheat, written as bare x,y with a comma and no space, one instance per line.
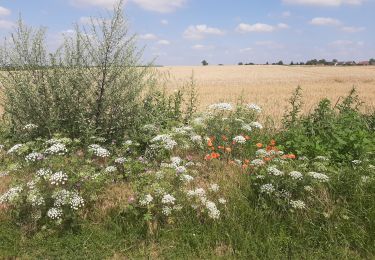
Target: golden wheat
271,86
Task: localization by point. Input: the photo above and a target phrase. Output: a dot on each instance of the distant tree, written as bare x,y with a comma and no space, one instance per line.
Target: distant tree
291,63
372,61
267,63
280,63
335,61
240,63
204,63
322,61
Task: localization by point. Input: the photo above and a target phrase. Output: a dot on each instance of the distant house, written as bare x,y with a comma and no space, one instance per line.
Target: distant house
340,63
363,63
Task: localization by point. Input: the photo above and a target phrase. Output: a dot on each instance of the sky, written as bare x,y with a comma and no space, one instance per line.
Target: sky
184,32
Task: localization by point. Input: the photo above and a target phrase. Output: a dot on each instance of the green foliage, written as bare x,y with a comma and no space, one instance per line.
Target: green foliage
341,132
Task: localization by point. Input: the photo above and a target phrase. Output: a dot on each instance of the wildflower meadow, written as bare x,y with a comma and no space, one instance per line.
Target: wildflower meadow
97,162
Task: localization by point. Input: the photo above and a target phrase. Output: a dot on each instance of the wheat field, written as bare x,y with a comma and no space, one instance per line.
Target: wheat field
271,86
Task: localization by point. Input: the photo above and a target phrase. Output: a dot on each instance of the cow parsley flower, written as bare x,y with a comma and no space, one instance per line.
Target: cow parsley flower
167,211
186,178
58,178
146,200
214,187
297,204
44,173
165,140
54,213
257,162
30,127
246,127
308,188
110,169
239,139
254,108
365,179
196,139
11,195
256,125
99,151
33,157
356,162
261,153
296,175
322,158
15,148
76,201
272,170
57,148
213,212
181,169
267,188
222,201
120,160
61,198
176,161
319,176
221,107
35,198
168,199
4,174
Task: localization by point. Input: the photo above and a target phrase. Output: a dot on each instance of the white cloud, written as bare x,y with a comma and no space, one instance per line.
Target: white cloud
164,22
352,29
201,47
164,42
324,2
346,43
4,24
4,11
286,14
148,36
259,27
200,31
269,44
161,6
323,21
246,49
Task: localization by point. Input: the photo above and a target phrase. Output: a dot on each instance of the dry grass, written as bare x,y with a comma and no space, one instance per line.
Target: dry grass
271,86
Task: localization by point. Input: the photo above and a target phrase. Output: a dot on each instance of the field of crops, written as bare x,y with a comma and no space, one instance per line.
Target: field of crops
271,86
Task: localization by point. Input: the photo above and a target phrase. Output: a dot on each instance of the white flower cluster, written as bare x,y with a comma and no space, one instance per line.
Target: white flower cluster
64,197
168,199
308,188
257,162
110,169
128,142
296,175
33,157
4,174
150,127
221,107
180,169
267,188
239,139
120,160
165,140
182,130
200,194
322,158
356,162
213,212
76,201
247,127
196,139
11,195
272,170
261,153
15,148
176,161
319,176
186,178
30,127
54,213
214,187
222,201
146,200
35,198
58,178
57,148
167,210
256,125
297,204
44,173
1,147
99,151
254,108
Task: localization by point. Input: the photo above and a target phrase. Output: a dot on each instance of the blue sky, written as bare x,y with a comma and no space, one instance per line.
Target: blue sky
184,32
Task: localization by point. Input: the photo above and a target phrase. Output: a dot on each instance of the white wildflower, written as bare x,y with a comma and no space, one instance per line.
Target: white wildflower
57,148
146,200
33,157
196,139
261,153
35,198
61,198
365,179
176,161
30,127
296,175
256,125
186,178
222,201
297,204
54,213
128,142
15,148
44,173
272,170
308,188
356,162
239,139
319,176
321,158
257,162
11,195
214,187
180,169
110,169
165,140
213,212
167,211
58,178
120,160
267,188
254,108
221,107
168,199
76,201
159,175
99,151
246,127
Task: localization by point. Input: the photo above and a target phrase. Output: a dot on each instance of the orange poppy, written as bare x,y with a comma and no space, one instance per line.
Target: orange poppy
209,143
224,138
247,137
244,166
215,155
259,145
247,161
273,142
207,157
